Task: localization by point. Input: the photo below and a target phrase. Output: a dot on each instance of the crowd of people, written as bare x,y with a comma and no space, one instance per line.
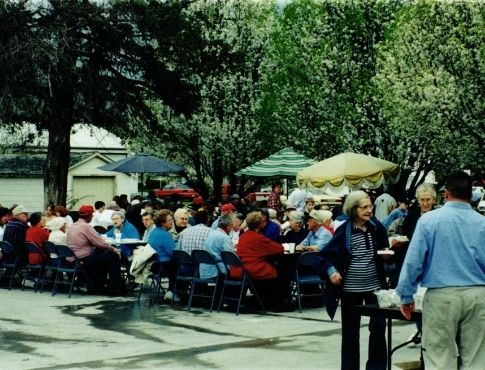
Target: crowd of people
346,240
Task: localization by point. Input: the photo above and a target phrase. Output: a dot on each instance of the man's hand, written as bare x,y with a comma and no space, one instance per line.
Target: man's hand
335,278
406,310
117,251
299,248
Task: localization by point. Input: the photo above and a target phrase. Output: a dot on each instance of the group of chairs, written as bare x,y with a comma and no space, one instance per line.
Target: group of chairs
190,284
58,267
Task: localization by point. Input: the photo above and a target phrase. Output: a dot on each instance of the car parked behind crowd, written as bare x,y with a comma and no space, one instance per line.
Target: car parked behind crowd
181,190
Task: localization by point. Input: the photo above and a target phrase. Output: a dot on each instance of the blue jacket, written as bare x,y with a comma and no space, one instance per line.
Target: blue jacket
160,240
336,256
128,231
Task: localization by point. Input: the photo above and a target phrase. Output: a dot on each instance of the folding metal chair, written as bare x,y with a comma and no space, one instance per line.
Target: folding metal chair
10,265
33,272
306,275
231,259
157,279
72,269
202,256
185,273
51,266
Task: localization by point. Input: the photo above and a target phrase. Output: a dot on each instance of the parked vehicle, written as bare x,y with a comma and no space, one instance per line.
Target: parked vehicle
181,190
481,205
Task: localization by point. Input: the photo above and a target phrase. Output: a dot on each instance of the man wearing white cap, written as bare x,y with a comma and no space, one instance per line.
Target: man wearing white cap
16,229
318,237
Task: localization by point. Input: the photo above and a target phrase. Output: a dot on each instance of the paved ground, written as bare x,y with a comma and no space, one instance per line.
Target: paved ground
38,331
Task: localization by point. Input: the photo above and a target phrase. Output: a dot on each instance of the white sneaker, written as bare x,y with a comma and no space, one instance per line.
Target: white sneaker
170,296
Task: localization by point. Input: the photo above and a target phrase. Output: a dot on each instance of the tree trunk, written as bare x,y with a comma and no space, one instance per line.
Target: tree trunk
57,165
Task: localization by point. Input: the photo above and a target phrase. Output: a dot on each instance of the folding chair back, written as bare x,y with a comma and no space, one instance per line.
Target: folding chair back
50,266
185,273
72,269
305,274
231,259
34,271
202,256
9,265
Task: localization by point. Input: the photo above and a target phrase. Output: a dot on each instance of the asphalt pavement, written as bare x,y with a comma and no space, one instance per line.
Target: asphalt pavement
38,331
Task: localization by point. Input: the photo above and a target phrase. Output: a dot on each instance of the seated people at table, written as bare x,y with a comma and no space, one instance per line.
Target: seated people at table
237,229
226,209
296,233
61,211
309,206
149,223
99,207
105,218
254,249
100,260
4,212
15,231
49,214
121,226
318,236
181,222
399,212
37,234
58,231
217,241
161,241
355,270
327,220
269,228
194,237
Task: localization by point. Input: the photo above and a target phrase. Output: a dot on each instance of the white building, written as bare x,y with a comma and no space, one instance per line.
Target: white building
21,174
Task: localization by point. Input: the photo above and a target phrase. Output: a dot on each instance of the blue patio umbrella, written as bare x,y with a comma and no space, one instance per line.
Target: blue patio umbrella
142,163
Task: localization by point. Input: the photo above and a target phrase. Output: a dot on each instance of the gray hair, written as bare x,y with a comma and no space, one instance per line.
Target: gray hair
425,188
296,216
113,206
326,214
180,212
120,213
225,221
272,213
352,202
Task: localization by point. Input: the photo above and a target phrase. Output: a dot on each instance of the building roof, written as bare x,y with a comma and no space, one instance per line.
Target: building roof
31,165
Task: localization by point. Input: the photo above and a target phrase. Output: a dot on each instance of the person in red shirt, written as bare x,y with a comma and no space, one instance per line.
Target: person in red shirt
37,234
255,251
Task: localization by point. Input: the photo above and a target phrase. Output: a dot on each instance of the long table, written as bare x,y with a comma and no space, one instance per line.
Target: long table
390,313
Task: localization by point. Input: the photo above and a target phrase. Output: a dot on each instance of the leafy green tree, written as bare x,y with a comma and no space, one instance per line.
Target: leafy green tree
431,87
77,61
224,133
317,89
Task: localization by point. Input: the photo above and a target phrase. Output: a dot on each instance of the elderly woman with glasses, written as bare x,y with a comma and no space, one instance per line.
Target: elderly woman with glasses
181,222
122,226
355,270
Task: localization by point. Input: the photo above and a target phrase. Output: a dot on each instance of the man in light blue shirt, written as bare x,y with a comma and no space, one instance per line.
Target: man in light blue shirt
447,256
318,237
217,241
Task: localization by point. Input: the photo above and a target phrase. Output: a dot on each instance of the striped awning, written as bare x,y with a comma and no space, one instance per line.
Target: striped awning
286,162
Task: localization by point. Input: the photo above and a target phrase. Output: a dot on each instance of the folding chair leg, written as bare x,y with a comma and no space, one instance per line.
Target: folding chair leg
260,302
222,298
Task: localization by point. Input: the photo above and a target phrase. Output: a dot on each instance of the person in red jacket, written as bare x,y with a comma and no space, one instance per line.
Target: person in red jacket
255,251
37,234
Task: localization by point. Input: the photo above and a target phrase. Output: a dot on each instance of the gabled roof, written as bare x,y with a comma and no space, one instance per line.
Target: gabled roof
31,165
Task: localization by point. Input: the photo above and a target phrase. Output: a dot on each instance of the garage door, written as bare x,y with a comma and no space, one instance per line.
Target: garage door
87,190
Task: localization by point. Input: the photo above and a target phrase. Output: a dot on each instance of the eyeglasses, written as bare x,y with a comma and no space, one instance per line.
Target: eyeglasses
183,219
367,206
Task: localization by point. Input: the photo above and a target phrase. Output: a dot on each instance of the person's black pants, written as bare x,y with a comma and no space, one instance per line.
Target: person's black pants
104,268
350,354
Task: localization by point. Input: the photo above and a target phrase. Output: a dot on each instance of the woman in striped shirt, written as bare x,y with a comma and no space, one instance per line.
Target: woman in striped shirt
355,270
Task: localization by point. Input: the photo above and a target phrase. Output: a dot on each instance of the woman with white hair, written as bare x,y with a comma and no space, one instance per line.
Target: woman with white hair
355,271
181,222
296,233
57,235
126,229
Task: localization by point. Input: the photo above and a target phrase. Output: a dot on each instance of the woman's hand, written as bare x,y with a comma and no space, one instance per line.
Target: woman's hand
335,278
